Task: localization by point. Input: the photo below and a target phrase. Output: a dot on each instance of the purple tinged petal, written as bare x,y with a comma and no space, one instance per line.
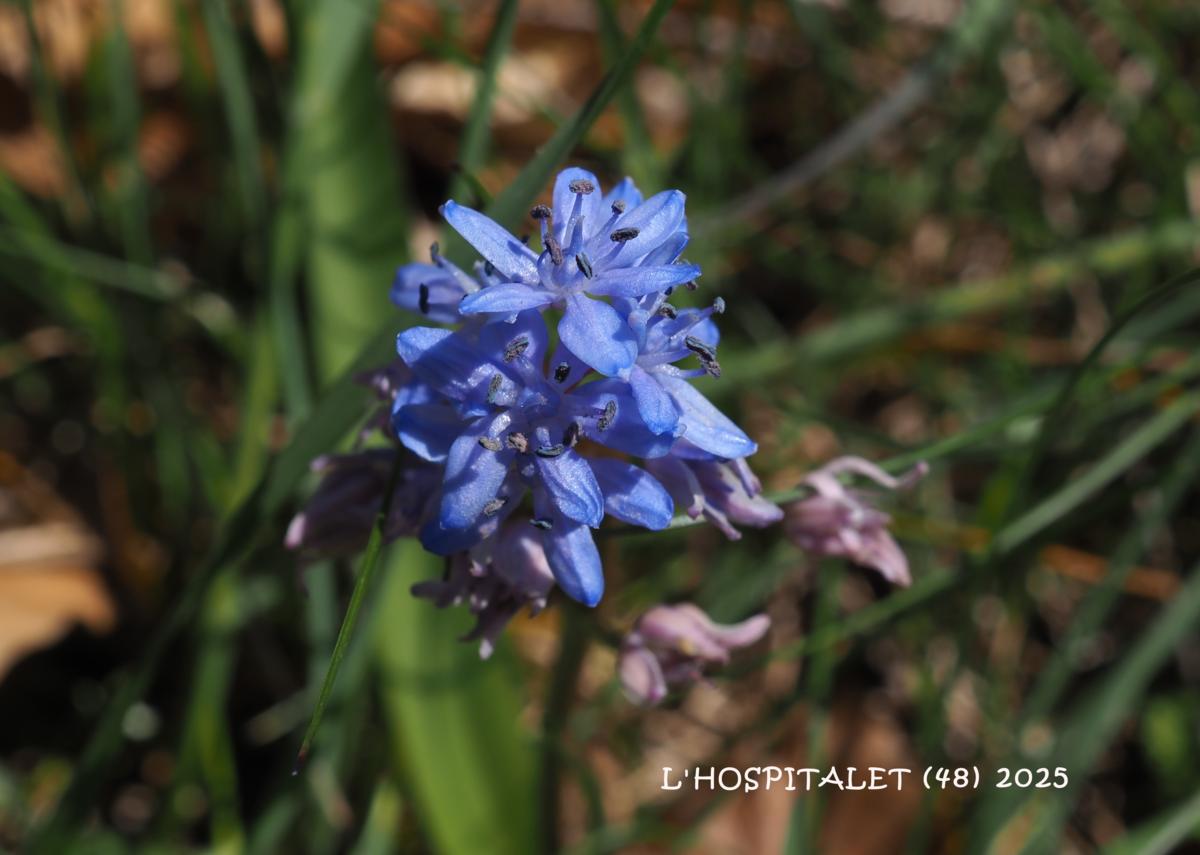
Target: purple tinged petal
474,474
704,425
575,560
427,430
507,254
640,281
641,676
656,407
632,494
572,487
597,335
519,559
505,298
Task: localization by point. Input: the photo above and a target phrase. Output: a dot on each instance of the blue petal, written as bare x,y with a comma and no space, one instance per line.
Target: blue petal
506,297
500,339
655,406
449,363
473,473
657,219
668,251
592,205
493,241
427,430
627,432
574,560
597,334
704,425
640,281
632,494
626,191
572,487
442,292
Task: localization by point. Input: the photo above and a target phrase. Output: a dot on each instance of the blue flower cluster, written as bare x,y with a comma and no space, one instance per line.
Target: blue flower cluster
507,409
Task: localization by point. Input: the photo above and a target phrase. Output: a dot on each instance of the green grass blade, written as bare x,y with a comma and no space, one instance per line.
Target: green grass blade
239,106
366,572
1136,446
455,720
475,134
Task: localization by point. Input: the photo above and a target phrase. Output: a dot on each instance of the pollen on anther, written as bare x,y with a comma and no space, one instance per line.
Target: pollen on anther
541,212
517,441
543,524
622,235
550,451
516,348
493,507
618,207
582,186
556,253
561,372
584,264
494,388
609,415
489,443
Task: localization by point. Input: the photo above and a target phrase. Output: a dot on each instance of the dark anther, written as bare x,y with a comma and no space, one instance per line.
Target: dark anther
618,207
524,238
544,525
541,212
571,435
435,251
581,186
706,355
423,299
494,388
494,506
668,311
517,441
585,264
550,451
516,348
555,248
691,286
561,372
622,235
719,306
670,291
489,268
610,413
489,443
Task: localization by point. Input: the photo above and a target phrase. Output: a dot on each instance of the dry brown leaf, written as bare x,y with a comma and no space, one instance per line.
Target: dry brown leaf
48,580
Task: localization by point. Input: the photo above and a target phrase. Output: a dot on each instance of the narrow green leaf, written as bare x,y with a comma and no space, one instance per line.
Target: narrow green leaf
455,720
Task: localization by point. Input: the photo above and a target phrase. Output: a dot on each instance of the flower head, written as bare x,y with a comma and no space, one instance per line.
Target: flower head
495,580
504,424
593,246
723,491
837,521
670,646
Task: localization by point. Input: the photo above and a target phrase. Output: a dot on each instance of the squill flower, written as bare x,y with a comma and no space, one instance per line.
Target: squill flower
670,646
338,518
593,245
496,579
503,423
723,491
835,520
